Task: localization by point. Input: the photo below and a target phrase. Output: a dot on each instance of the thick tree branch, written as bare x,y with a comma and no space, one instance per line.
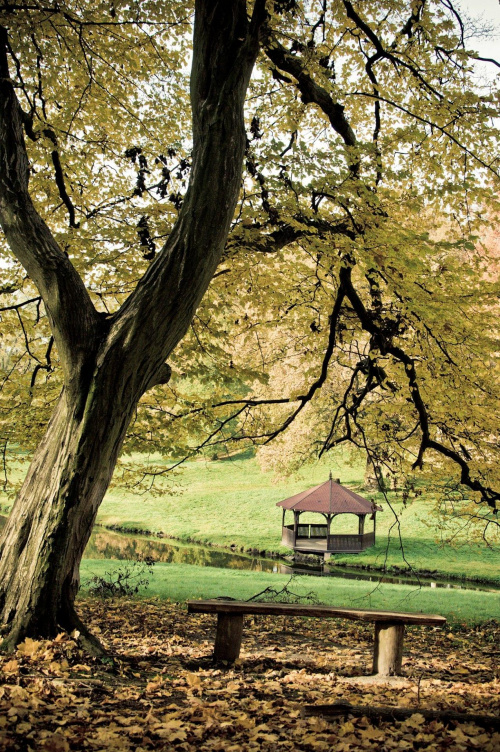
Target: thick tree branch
390,714
313,92
271,242
225,47
162,377
389,54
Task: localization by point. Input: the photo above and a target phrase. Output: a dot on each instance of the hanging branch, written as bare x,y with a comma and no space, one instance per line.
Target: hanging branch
384,343
59,178
332,338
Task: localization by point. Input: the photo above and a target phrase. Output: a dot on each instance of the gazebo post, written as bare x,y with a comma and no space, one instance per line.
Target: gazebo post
361,525
329,518
296,516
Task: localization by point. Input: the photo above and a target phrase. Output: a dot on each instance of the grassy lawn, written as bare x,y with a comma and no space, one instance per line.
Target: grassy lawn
179,582
424,554
222,502
233,502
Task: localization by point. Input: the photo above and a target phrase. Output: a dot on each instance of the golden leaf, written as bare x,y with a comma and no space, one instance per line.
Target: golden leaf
29,647
11,667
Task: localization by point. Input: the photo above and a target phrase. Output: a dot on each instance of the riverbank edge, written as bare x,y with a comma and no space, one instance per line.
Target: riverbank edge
300,558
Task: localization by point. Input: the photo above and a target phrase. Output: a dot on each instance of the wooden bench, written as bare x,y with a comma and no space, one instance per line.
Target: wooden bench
389,626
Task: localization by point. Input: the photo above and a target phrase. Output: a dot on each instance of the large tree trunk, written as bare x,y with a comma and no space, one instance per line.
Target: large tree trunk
109,362
52,518
50,523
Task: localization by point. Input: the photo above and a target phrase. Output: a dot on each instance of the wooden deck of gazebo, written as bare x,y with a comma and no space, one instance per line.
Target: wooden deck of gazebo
328,499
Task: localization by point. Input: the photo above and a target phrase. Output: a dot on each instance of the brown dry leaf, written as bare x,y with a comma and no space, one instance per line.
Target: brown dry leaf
135,730
11,667
55,743
414,722
346,728
370,733
154,699
30,647
170,731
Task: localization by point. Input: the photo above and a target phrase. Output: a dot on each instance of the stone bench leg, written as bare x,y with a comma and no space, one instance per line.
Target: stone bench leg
228,637
388,648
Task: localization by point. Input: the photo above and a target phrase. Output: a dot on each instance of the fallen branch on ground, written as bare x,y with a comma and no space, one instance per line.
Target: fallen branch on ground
400,714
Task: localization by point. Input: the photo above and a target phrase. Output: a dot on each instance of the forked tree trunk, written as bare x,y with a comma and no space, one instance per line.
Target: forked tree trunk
109,362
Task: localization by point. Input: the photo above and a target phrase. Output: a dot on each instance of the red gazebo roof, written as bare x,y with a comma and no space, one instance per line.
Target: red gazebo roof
329,498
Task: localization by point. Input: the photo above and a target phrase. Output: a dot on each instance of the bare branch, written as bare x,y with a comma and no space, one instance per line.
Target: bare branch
445,131
15,306
332,338
59,176
485,60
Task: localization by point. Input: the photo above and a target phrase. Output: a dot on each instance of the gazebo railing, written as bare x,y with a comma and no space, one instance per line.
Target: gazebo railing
311,531
350,542
287,536
335,542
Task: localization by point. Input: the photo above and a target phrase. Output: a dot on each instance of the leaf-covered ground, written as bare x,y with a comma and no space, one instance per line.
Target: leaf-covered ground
163,693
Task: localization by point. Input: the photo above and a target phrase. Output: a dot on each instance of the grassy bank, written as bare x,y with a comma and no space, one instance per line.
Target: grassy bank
223,502
179,582
232,502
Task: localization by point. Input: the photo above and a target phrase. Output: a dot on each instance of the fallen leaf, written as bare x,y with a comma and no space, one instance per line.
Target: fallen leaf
11,667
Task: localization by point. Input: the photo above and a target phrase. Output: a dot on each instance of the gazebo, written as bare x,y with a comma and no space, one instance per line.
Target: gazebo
328,499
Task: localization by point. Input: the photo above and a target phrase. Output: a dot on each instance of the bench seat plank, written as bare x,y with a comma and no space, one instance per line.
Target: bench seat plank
325,612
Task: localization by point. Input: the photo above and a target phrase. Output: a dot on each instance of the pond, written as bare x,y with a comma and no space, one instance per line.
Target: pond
109,544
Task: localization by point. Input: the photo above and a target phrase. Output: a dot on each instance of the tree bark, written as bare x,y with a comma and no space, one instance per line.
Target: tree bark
50,523
109,362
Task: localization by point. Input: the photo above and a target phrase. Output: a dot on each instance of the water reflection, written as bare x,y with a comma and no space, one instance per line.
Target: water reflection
106,544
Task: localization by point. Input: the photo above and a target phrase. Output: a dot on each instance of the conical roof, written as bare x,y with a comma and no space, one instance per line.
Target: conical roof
329,498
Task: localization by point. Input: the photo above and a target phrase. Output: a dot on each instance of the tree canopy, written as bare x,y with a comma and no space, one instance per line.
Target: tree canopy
355,300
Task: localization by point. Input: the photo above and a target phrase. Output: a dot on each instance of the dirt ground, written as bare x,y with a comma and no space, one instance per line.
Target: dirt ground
160,690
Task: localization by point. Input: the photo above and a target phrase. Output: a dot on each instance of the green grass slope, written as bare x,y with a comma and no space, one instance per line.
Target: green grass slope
232,502
179,582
